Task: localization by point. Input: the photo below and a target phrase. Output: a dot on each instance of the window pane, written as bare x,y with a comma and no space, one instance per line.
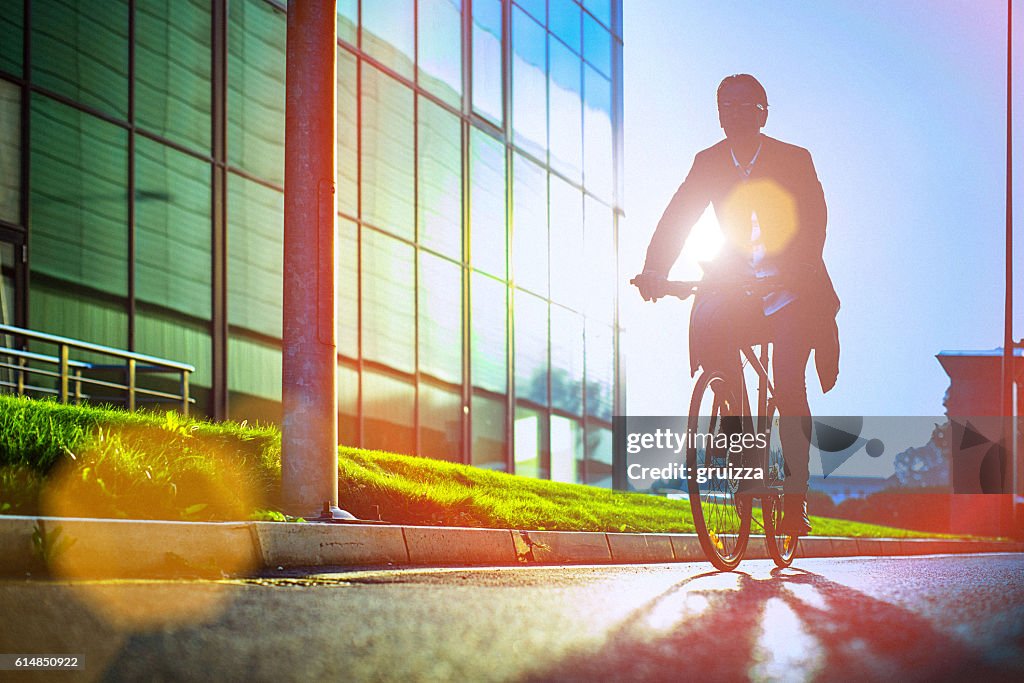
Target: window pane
487,72
440,311
597,134
347,287
388,413
597,45
440,423
348,405
564,22
531,442
70,312
168,336
389,33
599,256
348,134
172,66
536,8
529,84
11,37
388,177
566,360
531,347
10,152
440,46
256,95
565,114
488,313
254,378
79,198
487,204
568,269
81,51
600,370
172,229
255,256
566,449
598,466
440,180
389,301
488,433
348,20
6,295
530,226
602,9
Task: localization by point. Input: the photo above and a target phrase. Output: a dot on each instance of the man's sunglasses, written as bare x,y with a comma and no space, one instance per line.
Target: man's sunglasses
742,106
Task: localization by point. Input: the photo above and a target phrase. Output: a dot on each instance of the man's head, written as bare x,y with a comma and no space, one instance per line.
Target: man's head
742,105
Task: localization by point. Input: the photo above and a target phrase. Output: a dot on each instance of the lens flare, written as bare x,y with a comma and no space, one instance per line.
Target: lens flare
776,214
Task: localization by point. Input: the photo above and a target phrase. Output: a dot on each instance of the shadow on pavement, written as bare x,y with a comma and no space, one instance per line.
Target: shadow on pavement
791,625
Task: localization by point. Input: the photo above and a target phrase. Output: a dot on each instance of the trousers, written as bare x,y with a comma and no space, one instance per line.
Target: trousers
722,322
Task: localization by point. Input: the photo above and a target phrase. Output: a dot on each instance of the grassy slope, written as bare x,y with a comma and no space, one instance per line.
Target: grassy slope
87,461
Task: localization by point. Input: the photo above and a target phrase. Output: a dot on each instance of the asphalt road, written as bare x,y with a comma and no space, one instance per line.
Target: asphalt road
924,618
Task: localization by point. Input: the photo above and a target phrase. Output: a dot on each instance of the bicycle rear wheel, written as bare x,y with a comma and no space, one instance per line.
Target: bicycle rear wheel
781,547
722,528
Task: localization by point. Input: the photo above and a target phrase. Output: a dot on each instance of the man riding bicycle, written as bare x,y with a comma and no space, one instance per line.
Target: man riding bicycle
771,209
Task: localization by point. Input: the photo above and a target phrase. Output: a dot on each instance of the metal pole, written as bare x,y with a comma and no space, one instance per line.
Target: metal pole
309,457
131,384
63,373
184,393
1007,370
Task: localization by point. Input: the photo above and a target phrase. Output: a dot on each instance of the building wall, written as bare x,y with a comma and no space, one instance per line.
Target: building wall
142,165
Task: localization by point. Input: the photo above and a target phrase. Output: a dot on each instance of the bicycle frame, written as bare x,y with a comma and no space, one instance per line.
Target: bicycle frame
765,388
759,362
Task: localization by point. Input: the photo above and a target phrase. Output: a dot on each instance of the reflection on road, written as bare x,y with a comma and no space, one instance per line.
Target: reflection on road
787,624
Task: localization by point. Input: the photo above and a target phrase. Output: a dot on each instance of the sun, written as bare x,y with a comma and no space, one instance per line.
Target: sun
706,238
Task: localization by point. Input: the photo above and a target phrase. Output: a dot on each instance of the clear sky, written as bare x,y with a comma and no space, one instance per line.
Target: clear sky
902,105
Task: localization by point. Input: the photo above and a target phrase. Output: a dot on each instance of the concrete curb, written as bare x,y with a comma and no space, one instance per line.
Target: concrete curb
293,545
82,548
562,547
458,545
637,548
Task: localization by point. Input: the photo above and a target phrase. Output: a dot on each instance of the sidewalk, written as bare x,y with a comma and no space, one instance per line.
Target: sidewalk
80,548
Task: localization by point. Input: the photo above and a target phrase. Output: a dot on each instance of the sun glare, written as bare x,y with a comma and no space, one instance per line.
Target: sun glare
706,239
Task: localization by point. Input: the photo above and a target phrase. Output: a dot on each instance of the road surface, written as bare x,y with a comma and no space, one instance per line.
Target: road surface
910,618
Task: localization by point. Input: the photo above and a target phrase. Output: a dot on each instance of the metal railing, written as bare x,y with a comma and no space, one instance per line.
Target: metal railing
22,373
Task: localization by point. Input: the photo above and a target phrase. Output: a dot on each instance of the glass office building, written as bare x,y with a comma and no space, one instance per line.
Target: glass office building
479,170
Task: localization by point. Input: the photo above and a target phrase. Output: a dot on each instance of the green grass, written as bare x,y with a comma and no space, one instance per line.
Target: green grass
87,461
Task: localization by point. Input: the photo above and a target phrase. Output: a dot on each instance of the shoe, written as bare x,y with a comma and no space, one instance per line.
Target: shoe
794,516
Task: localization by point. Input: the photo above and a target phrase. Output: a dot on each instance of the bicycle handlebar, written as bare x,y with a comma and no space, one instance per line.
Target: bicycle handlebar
684,289
681,289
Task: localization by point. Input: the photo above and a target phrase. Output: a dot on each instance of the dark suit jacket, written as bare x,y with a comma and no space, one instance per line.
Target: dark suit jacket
784,190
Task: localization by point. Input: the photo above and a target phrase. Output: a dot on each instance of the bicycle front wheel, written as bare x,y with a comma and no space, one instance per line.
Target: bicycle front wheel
723,528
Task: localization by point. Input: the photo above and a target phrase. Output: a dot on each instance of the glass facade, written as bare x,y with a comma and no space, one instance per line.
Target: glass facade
479,161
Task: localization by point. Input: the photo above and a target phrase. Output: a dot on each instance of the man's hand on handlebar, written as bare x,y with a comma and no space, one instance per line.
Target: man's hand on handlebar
651,286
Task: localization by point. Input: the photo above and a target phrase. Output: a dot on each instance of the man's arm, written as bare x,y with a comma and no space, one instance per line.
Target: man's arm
682,212
813,211
814,217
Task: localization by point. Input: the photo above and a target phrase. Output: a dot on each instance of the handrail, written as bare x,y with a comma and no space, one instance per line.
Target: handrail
70,371
98,348
28,355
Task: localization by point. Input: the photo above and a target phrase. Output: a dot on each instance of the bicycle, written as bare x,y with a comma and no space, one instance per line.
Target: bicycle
722,520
